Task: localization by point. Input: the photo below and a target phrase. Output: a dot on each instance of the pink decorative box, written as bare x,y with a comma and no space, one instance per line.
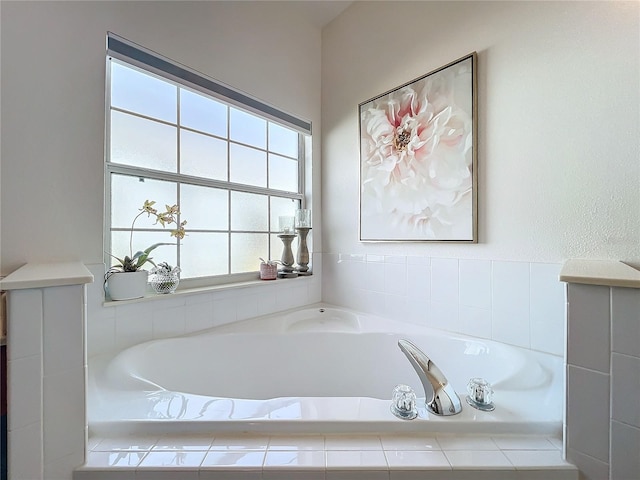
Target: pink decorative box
268,271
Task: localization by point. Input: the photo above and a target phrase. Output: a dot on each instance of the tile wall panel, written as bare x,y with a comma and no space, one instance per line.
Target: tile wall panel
25,336
395,279
445,280
475,283
589,327
518,303
625,325
603,330
547,310
46,434
510,327
374,273
590,468
625,445
511,287
475,321
24,376
114,327
63,327
64,415
588,412
445,316
524,304
25,453
625,386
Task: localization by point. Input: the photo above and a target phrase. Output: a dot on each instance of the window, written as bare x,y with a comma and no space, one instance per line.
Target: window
233,164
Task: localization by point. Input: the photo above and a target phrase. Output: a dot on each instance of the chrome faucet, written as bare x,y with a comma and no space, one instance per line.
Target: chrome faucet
440,397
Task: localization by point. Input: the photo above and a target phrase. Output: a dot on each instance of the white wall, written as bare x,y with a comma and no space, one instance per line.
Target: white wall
53,70
559,120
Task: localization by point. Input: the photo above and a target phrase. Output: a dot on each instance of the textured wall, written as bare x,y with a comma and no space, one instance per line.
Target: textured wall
53,74
559,120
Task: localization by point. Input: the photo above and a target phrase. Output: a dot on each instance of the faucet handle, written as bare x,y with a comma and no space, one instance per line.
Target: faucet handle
403,402
480,394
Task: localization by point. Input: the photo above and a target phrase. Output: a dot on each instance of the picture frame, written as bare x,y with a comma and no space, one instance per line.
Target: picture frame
418,159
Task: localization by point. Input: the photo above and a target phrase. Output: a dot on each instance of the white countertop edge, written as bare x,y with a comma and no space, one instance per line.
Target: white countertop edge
611,273
39,275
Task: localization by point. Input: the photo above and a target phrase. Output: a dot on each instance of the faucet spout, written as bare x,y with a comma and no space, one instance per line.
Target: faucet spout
440,397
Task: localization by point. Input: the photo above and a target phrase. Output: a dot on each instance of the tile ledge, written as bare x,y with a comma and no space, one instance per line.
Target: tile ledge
609,273
40,275
151,296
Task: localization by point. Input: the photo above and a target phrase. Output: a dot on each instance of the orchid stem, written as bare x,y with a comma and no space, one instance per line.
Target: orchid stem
131,235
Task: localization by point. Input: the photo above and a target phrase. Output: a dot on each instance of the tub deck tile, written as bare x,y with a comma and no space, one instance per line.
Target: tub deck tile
409,442
413,460
473,459
281,442
294,460
352,442
247,460
331,457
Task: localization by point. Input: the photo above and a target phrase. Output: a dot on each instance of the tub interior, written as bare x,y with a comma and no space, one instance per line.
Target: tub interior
318,367
320,364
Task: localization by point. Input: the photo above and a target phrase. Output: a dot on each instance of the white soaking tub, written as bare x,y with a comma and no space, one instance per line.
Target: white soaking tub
320,369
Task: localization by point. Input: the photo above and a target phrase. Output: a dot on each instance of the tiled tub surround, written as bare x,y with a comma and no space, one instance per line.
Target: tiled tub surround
518,303
117,325
603,369
46,370
540,281
326,457
317,369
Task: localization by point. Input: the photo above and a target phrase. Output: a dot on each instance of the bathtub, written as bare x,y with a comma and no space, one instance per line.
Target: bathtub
319,369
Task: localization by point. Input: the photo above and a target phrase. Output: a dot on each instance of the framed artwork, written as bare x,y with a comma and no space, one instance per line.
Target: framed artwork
418,155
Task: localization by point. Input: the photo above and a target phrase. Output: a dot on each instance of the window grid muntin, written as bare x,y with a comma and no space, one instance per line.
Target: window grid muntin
228,141
179,178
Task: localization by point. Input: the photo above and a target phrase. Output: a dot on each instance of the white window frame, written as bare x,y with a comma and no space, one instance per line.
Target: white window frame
137,57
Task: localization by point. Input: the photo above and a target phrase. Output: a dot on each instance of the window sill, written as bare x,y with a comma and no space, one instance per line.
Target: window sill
150,296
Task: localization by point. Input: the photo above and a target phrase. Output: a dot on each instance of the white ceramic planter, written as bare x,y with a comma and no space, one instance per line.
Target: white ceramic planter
127,286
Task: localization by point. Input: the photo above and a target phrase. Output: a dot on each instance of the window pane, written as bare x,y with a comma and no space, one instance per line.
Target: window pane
204,254
204,148
204,208
282,207
141,93
248,166
246,250
203,113
283,141
203,156
142,241
247,128
142,143
249,211
128,194
283,173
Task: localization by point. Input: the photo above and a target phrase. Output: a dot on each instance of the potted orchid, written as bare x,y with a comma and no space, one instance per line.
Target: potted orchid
127,280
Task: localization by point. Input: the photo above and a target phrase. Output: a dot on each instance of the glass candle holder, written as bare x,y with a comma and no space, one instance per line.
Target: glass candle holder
285,224
303,218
